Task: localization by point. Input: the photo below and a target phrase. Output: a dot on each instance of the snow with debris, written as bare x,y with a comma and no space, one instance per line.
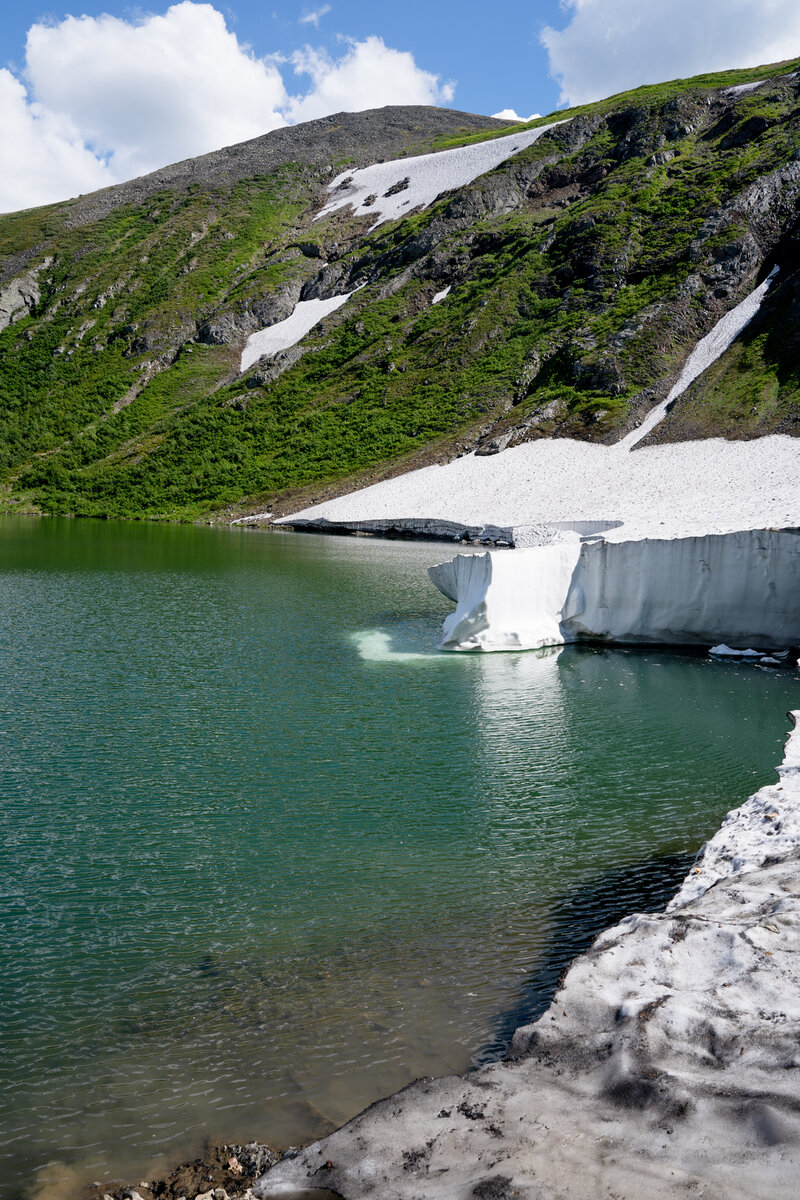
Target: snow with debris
284,334
393,189
706,352
441,295
763,830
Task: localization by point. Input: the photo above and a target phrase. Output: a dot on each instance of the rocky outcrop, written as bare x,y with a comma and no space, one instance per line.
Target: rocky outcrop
20,296
666,1066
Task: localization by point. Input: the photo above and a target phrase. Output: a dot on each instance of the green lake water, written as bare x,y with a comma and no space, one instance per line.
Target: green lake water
267,855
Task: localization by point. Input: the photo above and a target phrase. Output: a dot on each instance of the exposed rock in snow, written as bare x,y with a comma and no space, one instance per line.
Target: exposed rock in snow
394,189
666,1066
707,351
283,334
690,590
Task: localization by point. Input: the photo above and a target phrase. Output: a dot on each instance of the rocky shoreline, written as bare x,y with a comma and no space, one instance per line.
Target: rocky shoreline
666,1065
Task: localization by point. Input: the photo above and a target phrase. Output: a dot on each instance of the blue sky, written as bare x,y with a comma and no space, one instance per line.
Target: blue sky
97,91
492,53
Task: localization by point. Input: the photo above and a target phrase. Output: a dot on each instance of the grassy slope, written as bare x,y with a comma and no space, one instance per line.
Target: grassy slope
544,283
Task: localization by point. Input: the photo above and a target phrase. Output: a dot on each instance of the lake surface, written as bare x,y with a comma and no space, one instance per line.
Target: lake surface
267,855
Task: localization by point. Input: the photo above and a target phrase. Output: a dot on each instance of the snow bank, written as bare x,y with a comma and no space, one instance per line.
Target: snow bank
283,334
394,189
707,351
766,829
694,590
710,486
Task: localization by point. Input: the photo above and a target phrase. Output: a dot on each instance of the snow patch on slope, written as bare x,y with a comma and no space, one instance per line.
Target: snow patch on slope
283,334
394,189
706,352
743,87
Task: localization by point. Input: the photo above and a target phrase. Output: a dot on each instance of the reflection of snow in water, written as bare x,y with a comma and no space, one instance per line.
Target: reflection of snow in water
374,645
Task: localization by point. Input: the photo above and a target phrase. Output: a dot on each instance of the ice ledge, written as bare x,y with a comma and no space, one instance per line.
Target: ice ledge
740,587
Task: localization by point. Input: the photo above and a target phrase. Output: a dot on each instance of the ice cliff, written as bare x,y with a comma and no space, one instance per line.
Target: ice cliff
731,587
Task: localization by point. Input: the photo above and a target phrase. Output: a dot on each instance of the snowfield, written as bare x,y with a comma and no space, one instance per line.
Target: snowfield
393,189
711,486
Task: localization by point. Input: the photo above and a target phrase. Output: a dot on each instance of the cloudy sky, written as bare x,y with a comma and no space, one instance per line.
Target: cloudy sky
97,92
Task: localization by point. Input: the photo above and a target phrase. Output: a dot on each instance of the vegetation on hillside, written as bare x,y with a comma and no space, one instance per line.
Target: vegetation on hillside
583,270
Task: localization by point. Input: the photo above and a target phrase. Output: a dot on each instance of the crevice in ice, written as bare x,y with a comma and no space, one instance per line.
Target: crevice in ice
376,191
706,352
284,334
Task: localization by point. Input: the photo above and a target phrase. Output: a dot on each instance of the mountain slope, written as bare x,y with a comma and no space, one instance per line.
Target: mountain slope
579,274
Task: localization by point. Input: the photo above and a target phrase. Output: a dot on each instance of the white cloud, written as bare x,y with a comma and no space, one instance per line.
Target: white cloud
42,154
509,114
612,45
153,91
369,75
106,99
315,16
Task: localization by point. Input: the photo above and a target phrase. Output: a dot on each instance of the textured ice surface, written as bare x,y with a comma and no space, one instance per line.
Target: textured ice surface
681,591
283,334
667,1065
707,351
765,828
394,189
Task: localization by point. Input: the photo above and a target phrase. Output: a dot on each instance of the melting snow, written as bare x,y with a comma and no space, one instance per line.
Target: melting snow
283,334
393,189
710,486
707,351
441,295
743,87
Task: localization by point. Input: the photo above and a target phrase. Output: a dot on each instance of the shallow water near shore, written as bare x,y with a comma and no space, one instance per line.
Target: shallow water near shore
267,855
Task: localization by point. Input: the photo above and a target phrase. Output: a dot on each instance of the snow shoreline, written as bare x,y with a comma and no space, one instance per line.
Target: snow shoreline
666,1064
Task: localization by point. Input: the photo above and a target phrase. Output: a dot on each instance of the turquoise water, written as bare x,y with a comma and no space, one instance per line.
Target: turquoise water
267,855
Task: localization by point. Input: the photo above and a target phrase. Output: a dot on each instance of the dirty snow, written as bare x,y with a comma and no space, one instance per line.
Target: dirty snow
283,334
707,351
421,179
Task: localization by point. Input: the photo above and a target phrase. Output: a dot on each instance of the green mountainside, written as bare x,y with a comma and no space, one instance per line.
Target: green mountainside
582,271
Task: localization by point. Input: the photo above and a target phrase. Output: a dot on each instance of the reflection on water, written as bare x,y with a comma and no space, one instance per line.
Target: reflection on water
268,855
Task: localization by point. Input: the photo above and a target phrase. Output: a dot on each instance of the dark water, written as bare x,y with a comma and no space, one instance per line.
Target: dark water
266,856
